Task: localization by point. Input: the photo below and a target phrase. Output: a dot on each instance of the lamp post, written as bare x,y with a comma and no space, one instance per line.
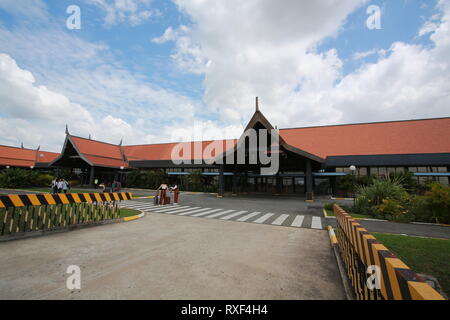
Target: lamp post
353,170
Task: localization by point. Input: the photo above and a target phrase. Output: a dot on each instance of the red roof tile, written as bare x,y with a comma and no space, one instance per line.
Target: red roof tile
99,153
164,151
396,137
21,157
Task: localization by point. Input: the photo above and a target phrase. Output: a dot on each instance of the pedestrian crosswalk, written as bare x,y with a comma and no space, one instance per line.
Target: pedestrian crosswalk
271,218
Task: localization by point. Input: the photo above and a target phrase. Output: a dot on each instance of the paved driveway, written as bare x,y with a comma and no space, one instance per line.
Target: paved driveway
174,257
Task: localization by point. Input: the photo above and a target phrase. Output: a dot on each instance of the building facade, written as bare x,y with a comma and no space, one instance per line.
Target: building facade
310,158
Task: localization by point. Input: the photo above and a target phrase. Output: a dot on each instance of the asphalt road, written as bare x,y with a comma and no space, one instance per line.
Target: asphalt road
173,257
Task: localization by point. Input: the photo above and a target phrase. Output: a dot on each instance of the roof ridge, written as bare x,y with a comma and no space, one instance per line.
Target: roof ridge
161,143
363,123
73,136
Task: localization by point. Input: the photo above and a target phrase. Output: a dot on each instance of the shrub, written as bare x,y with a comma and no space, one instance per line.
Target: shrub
195,181
437,203
396,210
18,178
43,180
150,179
370,196
328,206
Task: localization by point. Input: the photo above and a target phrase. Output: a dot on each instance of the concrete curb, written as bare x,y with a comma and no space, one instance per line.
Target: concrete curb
337,198
39,233
345,281
364,219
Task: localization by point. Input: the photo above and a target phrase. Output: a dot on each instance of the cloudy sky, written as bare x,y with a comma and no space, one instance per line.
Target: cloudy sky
150,71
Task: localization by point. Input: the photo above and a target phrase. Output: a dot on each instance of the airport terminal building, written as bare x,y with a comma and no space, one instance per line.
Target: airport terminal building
310,158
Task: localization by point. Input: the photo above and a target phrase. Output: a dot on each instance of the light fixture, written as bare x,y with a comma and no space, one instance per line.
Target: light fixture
31,167
352,168
7,167
121,167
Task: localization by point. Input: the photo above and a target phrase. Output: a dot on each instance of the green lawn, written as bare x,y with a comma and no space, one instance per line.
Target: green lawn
423,255
125,212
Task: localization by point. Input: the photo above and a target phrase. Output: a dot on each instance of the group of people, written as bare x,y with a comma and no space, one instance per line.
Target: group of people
162,193
60,186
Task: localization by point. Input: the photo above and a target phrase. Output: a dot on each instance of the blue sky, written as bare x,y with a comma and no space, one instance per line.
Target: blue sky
152,71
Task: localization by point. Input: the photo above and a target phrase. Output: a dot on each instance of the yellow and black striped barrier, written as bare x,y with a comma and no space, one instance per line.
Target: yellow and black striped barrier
375,272
23,200
33,212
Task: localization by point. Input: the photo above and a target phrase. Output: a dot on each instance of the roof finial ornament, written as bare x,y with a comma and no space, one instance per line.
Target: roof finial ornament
120,143
257,104
67,129
21,145
89,136
38,148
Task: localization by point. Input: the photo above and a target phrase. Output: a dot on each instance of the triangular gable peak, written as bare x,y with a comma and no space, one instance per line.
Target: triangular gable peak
259,121
91,152
70,150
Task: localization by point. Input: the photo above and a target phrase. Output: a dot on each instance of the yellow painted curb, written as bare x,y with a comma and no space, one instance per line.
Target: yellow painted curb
131,218
332,235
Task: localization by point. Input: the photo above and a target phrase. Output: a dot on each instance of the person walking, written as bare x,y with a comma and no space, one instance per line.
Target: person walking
175,191
54,185
59,186
163,190
65,186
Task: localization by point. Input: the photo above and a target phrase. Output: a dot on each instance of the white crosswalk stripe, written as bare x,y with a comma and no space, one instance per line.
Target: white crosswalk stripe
248,216
162,210
191,212
219,214
278,221
316,223
229,214
175,211
228,217
263,218
205,213
297,221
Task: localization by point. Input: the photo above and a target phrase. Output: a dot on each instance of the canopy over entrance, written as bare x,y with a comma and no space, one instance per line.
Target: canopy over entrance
262,159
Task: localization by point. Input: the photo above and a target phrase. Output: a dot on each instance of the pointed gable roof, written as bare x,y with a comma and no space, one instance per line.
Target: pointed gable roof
96,153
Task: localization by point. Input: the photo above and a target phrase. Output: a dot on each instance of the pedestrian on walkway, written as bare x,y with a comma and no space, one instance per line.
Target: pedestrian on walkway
175,191
65,186
54,185
59,185
102,186
162,197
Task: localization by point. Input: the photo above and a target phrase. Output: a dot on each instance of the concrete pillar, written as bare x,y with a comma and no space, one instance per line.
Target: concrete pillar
221,186
278,184
333,186
448,170
235,183
91,177
309,181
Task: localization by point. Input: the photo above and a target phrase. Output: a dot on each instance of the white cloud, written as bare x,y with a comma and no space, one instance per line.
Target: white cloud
259,48
31,9
134,12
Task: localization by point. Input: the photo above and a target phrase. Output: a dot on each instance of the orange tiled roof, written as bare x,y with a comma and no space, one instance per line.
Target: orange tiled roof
394,137
163,151
99,153
22,157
